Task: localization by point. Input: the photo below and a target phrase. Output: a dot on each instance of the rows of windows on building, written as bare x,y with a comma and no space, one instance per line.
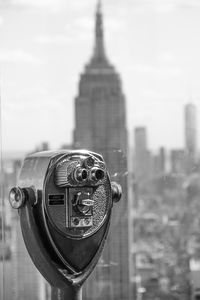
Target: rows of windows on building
154,241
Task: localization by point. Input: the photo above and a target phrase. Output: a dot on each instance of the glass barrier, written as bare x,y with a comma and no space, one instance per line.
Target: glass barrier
121,79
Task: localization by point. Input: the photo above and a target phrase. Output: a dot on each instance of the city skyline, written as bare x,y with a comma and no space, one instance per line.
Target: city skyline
44,145
160,72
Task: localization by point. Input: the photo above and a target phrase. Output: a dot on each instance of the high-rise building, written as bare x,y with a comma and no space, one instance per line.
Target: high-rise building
162,160
141,157
177,159
159,163
190,136
100,125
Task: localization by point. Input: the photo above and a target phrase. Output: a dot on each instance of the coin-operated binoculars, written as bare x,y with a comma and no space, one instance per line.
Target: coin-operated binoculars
64,200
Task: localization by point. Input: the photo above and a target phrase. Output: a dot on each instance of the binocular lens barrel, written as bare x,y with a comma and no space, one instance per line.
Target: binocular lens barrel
80,174
97,174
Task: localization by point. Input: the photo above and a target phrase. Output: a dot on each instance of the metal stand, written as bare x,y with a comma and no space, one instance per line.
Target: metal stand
69,293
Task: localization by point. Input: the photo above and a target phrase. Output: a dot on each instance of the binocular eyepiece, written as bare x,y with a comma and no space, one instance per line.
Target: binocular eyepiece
94,174
77,172
80,174
64,201
97,174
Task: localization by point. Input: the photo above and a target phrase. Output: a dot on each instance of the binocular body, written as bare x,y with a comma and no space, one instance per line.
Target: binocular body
64,199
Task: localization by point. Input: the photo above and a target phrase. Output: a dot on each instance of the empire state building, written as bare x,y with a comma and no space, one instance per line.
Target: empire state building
100,126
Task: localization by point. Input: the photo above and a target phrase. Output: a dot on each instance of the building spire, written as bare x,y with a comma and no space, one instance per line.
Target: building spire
99,7
99,52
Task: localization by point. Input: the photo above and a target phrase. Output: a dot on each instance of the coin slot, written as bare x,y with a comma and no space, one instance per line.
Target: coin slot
58,199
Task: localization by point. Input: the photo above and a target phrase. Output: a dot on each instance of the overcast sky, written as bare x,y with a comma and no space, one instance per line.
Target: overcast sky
44,45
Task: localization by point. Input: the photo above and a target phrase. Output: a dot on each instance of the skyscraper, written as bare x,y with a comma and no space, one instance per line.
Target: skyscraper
162,160
159,161
190,136
141,154
177,161
100,125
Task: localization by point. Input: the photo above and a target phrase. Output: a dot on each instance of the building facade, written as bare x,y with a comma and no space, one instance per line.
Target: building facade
100,126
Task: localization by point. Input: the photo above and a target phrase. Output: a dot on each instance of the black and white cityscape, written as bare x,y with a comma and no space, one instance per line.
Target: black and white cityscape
153,247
